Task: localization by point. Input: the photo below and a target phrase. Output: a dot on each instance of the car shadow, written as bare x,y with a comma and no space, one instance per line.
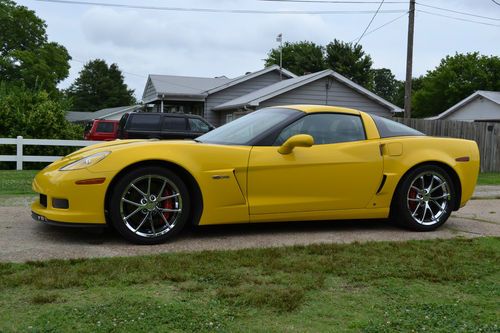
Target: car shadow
107,235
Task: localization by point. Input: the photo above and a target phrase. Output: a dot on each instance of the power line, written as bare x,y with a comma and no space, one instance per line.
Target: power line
387,2
380,27
215,10
457,18
370,23
142,76
335,1
458,12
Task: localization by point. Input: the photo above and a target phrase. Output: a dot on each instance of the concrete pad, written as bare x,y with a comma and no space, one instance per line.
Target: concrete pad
23,239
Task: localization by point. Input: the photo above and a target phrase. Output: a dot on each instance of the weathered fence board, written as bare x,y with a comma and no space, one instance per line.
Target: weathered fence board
487,136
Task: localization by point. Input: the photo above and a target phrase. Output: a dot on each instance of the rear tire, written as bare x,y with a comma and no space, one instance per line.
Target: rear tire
149,205
424,199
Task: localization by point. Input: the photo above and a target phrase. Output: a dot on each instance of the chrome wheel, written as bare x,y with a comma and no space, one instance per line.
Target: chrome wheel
150,206
428,198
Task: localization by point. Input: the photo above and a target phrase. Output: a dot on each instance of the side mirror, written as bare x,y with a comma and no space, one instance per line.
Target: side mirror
299,140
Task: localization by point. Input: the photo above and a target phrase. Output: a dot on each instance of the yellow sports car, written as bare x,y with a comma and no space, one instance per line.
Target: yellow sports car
289,163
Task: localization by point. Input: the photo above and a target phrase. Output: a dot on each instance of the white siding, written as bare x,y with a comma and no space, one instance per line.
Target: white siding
478,109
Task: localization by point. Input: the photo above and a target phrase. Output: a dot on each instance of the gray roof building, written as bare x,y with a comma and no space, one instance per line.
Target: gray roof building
222,99
254,99
108,114
482,105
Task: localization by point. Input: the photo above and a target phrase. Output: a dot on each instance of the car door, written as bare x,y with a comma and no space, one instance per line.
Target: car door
174,127
143,126
342,170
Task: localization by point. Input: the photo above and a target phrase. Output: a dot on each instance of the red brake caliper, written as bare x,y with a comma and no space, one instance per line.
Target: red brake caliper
412,195
168,204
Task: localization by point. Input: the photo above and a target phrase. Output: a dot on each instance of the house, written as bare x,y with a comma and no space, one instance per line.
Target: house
480,106
221,99
108,114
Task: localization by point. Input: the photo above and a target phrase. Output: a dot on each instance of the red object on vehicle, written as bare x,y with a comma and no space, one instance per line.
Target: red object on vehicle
101,130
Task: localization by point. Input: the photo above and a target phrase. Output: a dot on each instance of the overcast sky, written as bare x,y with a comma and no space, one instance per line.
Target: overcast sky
146,42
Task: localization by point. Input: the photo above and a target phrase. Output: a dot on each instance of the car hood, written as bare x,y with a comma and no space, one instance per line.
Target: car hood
117,145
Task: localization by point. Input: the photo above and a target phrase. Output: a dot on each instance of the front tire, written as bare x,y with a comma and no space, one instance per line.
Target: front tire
424,200
149,205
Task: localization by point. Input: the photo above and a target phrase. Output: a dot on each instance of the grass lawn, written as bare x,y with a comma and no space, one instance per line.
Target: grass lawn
420,286
16,182
19,182
489,178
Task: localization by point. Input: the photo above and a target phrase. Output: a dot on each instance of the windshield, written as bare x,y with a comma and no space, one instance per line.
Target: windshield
244,130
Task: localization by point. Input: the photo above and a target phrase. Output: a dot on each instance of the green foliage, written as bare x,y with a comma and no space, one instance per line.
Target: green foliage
300,57
99,86
399,98
21,28
385,84
26,57
346,59
349,60
34,114
454,79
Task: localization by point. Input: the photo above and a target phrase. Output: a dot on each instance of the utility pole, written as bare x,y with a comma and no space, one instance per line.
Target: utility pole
409,59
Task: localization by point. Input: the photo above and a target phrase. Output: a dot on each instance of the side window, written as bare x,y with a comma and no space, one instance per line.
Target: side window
104,127
176,124
145,122
389,128
198,125
325,128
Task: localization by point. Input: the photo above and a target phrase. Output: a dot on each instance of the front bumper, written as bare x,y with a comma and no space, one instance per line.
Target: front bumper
45,220
85,202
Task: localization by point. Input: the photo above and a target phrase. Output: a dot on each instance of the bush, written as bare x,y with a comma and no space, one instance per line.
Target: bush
34,115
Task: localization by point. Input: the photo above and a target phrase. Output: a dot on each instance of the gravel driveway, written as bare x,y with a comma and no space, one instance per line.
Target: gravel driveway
23,239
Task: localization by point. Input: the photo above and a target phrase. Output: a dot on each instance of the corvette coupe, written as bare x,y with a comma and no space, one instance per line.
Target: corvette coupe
289,163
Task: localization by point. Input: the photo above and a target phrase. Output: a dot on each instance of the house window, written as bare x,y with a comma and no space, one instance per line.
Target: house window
229,118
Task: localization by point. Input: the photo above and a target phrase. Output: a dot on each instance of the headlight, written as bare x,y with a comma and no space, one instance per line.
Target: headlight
86,161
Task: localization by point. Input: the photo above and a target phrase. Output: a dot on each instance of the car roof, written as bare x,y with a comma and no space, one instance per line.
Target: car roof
166,114
321,108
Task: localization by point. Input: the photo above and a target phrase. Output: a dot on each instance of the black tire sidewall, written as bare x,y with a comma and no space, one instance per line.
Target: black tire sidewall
119,188
401,213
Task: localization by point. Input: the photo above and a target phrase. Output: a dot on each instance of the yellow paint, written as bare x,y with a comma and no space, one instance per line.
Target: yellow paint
242,184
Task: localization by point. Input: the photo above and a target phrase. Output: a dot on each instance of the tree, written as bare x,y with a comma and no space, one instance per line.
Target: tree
384,84
34,114
300,57
99,86
455,78
26,56
350,61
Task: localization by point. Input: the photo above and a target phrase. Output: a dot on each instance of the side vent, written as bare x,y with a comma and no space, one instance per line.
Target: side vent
382,183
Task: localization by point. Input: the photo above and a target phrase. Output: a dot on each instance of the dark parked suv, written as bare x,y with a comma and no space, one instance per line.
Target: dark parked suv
148,125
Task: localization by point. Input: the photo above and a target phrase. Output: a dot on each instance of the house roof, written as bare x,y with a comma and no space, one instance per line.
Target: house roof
493,96
78,116
251,75
185,85
256,97
192,86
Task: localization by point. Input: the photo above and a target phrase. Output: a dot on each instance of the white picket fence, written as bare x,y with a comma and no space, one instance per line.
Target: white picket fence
20,142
